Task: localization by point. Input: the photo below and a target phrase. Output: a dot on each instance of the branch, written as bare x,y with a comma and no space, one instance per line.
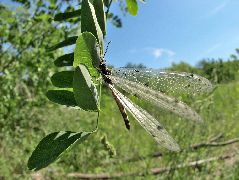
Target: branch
210,143
153,171
214,144
219,136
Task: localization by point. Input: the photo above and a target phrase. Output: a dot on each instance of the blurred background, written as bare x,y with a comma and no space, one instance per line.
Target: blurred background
186,36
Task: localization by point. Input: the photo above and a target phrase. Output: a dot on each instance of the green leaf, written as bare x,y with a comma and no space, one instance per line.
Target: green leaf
132,7
52,146
65,60
84,90
115,20
66,15
100,14
66,42
89,22
63,97
63,79
86,53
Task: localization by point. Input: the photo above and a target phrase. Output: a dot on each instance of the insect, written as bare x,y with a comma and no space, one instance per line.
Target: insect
150,85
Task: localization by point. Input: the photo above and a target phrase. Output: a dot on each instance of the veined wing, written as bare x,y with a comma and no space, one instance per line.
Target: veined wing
149,123
165,81
157,98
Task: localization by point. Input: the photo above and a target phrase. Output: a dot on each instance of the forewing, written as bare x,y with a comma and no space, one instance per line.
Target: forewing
157,98
149,123
164,81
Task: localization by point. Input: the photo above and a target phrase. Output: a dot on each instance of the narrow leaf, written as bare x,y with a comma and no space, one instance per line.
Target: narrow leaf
86,53
84,90
63,79
63,97
89,22
66,42
67,15
100,15
132,7
65,60
52,146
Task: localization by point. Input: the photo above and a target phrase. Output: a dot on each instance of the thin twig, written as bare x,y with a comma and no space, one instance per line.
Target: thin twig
214,144
153,171
210,143
215,138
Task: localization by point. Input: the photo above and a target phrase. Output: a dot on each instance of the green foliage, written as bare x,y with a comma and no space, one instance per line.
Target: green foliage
63,79
27,31
115,20
132,7
217,71
52,146
64,60
108,147
86,52
66,42
84,90
86,57
67,15
131,65
100,15
25,65
220,112
25,73
63,97
89,22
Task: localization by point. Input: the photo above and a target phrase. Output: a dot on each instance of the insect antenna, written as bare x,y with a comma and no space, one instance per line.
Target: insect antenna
106,49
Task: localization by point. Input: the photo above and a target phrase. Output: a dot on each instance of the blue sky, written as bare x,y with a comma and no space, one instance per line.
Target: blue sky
166,31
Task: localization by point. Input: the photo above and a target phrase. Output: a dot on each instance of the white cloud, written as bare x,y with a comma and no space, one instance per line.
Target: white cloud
159,52
218,8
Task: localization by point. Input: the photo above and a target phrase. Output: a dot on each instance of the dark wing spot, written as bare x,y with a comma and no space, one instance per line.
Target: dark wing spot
146,84
187,86
159,127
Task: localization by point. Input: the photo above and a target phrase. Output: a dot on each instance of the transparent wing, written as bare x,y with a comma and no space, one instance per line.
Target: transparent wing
149,123
179,82
157,98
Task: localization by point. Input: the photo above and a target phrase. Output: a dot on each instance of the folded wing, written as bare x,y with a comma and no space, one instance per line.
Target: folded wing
160,80
149,123
157,98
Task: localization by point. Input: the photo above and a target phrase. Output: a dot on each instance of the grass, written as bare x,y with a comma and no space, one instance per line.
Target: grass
219,110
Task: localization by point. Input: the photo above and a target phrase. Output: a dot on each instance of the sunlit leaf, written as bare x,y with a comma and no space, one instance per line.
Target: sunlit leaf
89,22
84,90
66,42
63,97
86,53
63,79
52,146
132,7
100,15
